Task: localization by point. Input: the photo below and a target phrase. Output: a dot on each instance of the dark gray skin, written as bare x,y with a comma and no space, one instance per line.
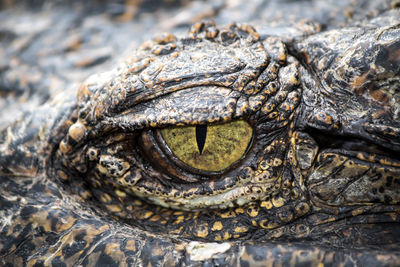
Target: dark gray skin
324,105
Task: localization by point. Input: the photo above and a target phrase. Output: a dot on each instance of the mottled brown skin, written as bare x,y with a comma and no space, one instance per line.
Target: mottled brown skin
82,177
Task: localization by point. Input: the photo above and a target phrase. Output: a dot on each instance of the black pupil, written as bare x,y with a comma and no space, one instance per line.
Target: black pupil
201,135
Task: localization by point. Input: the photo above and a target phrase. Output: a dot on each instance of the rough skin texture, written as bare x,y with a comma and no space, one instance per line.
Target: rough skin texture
86,178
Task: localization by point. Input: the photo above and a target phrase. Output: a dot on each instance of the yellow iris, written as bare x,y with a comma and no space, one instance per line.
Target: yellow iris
224,144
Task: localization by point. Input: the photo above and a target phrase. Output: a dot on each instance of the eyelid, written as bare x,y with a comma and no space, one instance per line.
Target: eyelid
188,106
157,156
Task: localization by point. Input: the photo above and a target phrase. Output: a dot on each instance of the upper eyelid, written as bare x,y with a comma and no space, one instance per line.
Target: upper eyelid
175,109
152,75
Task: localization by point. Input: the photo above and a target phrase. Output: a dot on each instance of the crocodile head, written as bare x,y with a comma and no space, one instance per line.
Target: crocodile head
221,141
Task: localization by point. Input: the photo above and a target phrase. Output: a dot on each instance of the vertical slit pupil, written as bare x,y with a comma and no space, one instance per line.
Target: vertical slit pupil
201,135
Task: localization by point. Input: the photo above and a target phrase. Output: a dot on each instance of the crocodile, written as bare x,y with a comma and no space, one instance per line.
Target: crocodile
237,144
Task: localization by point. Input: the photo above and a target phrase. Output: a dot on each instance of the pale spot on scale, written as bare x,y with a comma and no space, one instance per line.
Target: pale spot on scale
199,251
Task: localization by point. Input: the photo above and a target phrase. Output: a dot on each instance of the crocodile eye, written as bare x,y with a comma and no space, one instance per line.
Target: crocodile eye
210,148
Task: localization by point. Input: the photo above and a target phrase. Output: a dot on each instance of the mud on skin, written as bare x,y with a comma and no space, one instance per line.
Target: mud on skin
224,146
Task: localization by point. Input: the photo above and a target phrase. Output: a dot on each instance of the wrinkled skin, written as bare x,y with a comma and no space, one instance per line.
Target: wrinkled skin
86,178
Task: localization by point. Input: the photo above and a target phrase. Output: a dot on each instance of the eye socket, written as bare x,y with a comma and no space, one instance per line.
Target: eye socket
209,148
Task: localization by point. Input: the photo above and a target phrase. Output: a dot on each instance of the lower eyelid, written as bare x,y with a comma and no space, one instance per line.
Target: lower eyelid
155,155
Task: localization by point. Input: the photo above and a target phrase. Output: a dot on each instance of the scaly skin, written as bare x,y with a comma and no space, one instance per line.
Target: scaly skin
86,181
